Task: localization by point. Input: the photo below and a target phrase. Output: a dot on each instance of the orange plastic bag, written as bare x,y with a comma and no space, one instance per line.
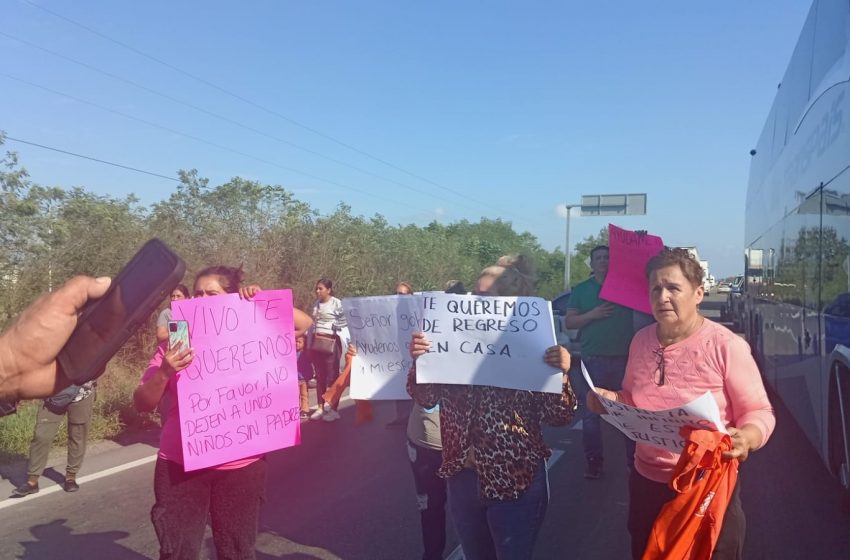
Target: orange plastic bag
363,409
688,526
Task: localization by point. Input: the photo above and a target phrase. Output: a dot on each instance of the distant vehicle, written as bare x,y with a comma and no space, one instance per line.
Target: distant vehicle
797,238
732,310
568,338
723,288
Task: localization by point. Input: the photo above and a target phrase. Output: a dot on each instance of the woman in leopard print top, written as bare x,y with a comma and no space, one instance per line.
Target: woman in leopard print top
493,450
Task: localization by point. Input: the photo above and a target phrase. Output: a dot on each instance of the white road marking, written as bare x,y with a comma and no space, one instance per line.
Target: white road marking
457,553
82,480
9,502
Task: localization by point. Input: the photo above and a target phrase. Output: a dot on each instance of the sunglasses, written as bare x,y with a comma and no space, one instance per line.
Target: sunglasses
658,375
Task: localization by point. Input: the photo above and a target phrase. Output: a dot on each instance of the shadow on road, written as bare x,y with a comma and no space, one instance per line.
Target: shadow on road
54,536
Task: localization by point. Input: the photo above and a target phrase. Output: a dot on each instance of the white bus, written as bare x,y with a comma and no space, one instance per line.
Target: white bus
797,237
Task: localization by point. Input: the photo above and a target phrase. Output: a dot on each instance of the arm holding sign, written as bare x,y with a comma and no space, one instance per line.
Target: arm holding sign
595,406
425,394
302,321
558,409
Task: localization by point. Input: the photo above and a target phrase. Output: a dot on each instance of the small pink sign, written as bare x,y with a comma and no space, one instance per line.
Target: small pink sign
628,254
239,396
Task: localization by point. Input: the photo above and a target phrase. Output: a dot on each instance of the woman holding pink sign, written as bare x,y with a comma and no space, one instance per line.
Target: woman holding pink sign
672,363
231,493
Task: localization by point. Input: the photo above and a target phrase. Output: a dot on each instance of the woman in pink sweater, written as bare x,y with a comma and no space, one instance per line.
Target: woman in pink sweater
673,362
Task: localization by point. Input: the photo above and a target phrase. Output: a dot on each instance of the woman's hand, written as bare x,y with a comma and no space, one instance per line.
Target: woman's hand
744,439
418,345
176,359
247,292
351,350
558,357
593,402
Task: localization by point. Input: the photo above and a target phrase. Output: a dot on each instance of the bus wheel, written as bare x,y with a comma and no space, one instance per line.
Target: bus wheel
839,430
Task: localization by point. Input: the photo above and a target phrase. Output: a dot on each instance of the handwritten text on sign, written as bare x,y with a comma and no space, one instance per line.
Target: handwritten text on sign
496,341
660,428
626,282
380,329
239,396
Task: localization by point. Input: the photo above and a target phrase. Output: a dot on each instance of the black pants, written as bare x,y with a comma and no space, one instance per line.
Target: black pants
431,497
647,497
232,499
326,367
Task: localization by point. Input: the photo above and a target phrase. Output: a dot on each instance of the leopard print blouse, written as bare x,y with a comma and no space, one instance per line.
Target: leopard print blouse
501,426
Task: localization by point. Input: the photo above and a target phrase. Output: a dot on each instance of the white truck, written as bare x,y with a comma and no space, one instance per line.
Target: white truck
707,279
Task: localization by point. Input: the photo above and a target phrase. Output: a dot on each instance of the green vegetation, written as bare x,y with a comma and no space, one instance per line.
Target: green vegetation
50,234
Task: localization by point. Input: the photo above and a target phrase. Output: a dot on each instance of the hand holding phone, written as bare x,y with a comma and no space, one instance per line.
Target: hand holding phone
178,331
105,324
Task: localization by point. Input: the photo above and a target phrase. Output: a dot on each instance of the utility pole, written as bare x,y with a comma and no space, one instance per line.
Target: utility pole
567,250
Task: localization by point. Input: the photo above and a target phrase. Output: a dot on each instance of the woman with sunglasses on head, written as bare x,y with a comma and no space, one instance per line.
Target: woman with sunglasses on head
229,494
494,456
673,362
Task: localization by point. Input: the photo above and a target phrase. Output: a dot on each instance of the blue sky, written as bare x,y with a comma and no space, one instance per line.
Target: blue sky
496,109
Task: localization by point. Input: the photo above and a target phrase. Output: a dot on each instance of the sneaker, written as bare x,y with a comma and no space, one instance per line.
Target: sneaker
331,415
305,416
317,414
594,469
70,485
25,489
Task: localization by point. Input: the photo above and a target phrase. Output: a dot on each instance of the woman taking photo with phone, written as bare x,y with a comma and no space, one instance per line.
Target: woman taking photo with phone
325,343
231,493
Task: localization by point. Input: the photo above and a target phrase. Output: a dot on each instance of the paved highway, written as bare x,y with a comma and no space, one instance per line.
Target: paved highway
347,493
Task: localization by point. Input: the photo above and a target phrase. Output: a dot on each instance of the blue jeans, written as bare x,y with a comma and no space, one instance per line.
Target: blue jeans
497,529
606,372
431,496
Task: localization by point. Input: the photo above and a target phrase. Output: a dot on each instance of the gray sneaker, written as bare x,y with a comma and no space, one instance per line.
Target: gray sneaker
25,489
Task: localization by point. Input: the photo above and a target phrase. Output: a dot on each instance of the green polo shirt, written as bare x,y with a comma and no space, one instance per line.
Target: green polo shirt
603,337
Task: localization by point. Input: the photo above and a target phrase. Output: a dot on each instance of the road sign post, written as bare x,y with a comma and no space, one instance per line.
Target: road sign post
602,205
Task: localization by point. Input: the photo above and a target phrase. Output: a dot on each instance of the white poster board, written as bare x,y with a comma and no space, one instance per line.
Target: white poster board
660,428
380,328
495,341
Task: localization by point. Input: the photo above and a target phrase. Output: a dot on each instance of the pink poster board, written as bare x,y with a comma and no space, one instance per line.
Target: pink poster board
628,254
239,396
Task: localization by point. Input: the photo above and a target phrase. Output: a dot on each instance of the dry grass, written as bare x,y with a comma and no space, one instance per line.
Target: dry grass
113,412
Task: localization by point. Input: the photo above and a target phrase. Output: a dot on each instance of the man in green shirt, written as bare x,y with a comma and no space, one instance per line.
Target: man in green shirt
606,332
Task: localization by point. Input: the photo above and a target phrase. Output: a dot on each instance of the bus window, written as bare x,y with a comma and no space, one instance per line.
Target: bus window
830,39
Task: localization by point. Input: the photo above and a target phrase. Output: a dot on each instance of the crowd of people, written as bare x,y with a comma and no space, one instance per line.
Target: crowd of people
475,451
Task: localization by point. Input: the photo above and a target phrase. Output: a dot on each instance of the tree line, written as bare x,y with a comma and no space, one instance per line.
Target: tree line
52,233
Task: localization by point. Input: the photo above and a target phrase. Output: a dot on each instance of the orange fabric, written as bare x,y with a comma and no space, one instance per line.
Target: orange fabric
688,526
363,409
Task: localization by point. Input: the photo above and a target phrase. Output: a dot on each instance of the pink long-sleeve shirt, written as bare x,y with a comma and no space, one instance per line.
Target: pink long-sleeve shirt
170,445
711,359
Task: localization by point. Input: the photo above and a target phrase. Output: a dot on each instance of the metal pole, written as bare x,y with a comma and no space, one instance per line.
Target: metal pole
567,251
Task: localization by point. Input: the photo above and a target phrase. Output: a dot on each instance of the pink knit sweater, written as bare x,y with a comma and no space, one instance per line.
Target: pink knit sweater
712,359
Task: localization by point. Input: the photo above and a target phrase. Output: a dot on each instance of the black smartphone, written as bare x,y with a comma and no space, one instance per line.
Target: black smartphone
105,324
